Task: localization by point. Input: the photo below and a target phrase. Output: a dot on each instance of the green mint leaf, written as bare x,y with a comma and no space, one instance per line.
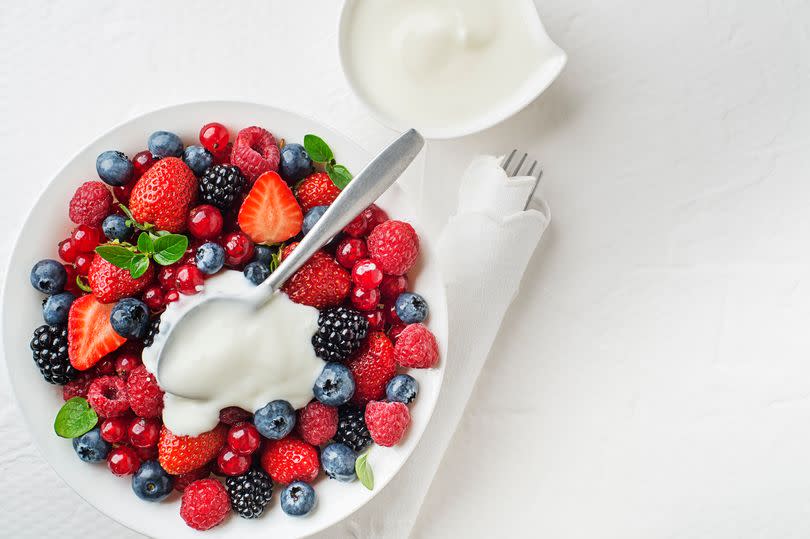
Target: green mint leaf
74,418
170,248
364,472
116,255
140,263
339,175
318,150
145,243
82,285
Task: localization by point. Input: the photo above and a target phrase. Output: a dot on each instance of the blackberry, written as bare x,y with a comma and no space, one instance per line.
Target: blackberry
154,329
340,333
250,492
352,429
222,186
50,350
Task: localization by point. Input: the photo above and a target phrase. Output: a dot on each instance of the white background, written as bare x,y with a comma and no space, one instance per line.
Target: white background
653,379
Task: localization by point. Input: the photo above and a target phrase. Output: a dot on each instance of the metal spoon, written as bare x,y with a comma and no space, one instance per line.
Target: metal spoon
361,192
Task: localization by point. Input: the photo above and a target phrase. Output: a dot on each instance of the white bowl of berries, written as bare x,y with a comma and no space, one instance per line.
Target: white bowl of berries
214,195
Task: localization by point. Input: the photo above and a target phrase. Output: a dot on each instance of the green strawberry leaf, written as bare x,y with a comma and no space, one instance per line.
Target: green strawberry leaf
364,472
140,263
170,248
318,150
82,285
145,243
339,175
74,418
117,255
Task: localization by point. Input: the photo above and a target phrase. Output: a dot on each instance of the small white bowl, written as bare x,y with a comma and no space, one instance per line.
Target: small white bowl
543,71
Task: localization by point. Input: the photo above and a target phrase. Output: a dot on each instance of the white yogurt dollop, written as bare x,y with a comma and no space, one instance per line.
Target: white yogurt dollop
234,355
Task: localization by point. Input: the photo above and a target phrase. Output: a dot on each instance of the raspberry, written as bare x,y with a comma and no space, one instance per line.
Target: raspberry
184,480
78,386
316,190
255,152
90,204
317,423
108,396
387,421
204,504
394,246
145,395
233,415
290,459
372,368
416,347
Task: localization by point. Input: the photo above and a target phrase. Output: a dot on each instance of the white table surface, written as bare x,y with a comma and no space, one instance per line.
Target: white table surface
653,379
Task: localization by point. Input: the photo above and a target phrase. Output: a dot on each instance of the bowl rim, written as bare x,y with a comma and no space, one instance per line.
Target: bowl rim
16,246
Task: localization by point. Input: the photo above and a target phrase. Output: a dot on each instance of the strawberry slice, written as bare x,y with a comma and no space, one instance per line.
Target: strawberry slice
270,213
90,335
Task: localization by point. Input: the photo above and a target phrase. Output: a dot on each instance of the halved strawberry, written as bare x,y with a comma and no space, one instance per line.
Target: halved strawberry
90,335
182,454
270,213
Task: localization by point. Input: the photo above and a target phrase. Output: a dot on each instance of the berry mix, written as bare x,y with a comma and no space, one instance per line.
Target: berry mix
154,229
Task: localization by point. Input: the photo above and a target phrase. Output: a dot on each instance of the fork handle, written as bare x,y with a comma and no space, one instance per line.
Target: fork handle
361,192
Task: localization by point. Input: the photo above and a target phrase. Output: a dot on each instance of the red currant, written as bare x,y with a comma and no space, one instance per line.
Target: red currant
114,429
153,297
238,248
67,251
349,251
365,299
141,162
231,463
171,296
205,222
391,315
244,439
392,286
214,137
123,460
376,320
122,192
144,432
85,238
125,363
189,280
106,367
366,274
166,276
358,227
147,453
374,215
70,283
83,262
394,332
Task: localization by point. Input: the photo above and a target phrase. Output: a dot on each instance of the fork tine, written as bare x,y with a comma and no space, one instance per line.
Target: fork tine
536,183
508,160
531,169
517,168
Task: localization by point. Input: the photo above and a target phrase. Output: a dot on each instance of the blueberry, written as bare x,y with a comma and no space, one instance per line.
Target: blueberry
275,420
256,272
312,217
130,318
335,385
295,163
263,254
165,144
48,276
91,447
210,257
56,308
338,462
411,308
297,499
198,159
402,388
115,228
114,168
151,482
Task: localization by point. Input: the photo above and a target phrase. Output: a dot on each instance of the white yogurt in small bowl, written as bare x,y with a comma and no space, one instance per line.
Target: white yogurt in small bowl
446,67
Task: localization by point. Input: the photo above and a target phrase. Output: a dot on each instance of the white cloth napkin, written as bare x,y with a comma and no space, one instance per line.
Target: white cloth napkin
483,250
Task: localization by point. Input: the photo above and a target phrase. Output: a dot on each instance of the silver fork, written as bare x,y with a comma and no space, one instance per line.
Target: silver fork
505,166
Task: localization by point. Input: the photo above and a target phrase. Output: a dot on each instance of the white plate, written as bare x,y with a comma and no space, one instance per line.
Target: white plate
48,223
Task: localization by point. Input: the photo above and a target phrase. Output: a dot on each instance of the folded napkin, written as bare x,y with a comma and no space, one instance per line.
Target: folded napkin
483,252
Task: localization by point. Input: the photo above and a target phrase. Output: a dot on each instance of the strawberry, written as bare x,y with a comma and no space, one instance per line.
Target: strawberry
182,454
372,368
316,190
90,335
111,283
164,195
270,213
321,282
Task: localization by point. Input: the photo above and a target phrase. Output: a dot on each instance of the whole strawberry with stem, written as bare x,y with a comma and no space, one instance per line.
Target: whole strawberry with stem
164,195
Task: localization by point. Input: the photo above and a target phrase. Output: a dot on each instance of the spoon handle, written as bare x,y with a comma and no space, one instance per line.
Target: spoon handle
361,192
